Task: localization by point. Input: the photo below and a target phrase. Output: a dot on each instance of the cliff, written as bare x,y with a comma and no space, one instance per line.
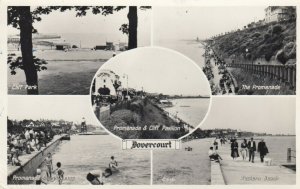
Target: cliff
273,41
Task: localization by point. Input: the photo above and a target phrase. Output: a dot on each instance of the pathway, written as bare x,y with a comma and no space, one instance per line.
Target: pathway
244,172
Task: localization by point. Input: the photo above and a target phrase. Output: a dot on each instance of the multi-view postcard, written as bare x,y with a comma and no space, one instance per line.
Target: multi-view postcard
160,94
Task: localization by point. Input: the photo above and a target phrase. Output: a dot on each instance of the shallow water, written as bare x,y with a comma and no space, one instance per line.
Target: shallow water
190,110
183,167
92,152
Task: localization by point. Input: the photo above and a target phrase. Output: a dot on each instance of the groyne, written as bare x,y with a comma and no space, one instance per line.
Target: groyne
25,173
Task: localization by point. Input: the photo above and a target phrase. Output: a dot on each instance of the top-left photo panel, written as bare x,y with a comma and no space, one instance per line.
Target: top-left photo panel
57,50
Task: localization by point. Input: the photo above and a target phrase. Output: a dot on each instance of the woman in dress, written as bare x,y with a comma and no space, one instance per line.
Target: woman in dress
234,149
244,149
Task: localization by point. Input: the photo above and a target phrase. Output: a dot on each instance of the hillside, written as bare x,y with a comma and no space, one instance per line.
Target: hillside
273,41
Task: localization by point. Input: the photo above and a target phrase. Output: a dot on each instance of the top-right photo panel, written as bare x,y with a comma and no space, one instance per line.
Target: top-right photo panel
241,50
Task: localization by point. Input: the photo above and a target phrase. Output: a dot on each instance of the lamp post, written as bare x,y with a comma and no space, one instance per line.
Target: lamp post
126,76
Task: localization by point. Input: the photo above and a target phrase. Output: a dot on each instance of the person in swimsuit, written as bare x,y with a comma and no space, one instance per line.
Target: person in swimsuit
60,173
113,163
48,162
95,177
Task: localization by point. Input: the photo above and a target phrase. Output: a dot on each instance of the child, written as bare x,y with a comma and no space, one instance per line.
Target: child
15,160
60,173
48,162
113,163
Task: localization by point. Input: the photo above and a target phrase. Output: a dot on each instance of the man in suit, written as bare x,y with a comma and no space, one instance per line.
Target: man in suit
252,149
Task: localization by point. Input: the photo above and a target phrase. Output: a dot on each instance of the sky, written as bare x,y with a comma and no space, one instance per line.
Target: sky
68,108
274,115
204,22
159,70
66,22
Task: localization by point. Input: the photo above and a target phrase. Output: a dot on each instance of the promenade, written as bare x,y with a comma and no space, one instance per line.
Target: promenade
257,173
30,162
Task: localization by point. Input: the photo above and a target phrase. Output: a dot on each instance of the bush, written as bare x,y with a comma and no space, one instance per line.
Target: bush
277,29
267,36
256,34
281,57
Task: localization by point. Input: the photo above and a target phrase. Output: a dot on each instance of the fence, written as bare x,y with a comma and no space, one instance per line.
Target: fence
284,73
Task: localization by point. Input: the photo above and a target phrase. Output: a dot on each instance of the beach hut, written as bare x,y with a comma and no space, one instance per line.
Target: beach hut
63,46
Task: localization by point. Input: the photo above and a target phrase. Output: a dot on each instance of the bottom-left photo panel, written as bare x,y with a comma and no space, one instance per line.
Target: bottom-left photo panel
58,140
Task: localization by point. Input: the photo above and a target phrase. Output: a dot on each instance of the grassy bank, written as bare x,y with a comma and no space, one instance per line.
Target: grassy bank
247,78
273,41
142,114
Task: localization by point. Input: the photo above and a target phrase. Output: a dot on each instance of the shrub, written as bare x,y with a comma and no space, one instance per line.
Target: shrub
267,36
256,34
277,29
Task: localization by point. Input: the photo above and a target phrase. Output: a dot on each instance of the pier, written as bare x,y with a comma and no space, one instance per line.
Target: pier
30,162
243,172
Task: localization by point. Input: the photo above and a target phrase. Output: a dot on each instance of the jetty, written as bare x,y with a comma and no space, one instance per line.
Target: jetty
243,172
30,162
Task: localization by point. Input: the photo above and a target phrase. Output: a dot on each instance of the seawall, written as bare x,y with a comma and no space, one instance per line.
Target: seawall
22,174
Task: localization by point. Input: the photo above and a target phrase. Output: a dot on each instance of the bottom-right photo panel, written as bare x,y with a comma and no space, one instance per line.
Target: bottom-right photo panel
243,141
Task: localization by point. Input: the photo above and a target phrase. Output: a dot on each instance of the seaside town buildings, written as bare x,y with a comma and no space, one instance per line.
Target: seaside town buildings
276,14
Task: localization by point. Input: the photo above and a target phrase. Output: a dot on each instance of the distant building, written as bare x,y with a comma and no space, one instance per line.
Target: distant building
276,14
63,46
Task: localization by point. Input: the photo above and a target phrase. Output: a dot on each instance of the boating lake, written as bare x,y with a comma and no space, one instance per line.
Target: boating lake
84,153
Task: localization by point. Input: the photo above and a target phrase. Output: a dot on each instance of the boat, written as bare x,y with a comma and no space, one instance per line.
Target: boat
165,103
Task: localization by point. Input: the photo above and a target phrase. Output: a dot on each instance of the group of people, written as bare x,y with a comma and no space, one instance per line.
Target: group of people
25,142
46,173
96,177
248,148
225,81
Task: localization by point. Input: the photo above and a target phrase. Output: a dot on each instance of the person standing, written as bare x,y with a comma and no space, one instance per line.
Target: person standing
234,149
252,149
244,149
262,149
216,145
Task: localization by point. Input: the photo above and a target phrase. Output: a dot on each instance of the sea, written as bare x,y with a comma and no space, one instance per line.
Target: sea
84,153
90,40
277,146
190,110
190,48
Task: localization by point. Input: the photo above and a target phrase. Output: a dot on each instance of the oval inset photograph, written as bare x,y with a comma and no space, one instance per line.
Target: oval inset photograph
150,93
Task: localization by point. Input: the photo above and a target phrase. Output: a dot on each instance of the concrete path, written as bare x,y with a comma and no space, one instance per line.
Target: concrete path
257,173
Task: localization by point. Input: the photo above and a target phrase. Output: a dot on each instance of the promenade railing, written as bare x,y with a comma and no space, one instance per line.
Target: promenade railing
284,73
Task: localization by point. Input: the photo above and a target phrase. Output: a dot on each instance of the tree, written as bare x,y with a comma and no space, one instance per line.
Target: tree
22,18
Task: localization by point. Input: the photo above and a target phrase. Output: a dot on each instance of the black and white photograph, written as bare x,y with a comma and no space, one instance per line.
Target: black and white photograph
242,50
63,144
150,93
251,143
56,50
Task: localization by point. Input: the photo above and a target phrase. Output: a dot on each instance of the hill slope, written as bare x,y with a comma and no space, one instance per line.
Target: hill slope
276,41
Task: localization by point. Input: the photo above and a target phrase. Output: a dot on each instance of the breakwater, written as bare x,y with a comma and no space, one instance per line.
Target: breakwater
24,174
